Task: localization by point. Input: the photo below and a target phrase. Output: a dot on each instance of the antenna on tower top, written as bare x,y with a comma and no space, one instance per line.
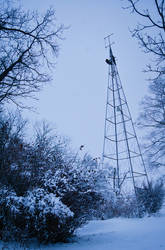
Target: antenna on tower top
107,41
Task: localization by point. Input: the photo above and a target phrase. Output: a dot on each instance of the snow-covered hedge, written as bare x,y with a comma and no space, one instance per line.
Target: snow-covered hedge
37,214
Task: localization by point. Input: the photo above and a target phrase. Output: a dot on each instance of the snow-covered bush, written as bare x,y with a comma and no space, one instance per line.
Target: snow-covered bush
37,214
46,191
77,187
148,200
119,206
151,197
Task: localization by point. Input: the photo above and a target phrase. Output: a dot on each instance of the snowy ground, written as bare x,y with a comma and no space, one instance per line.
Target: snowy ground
115,234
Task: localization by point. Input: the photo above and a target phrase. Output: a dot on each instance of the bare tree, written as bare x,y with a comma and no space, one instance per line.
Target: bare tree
151,33
28,42
152,117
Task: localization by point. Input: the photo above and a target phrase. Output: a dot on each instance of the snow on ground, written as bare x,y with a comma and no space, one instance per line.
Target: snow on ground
114,234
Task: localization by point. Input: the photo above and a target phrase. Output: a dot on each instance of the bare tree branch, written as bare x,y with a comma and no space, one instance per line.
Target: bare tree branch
151,34
28,47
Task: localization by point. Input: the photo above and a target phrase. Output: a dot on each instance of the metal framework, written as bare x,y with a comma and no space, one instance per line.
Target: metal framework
121,150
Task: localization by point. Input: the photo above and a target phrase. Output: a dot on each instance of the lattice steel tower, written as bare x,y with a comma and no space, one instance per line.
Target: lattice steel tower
121,150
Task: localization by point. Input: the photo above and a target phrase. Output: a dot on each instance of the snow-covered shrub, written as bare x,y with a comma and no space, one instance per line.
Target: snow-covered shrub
148,200
75,183
119,206
126,206
52,220
46,191
151,197
38,214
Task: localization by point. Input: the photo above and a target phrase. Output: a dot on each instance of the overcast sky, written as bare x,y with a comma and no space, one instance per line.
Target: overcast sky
75,102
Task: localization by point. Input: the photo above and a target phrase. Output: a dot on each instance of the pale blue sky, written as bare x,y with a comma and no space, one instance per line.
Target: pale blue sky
75,102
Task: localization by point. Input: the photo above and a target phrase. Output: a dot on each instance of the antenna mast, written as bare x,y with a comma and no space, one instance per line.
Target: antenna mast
121,150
